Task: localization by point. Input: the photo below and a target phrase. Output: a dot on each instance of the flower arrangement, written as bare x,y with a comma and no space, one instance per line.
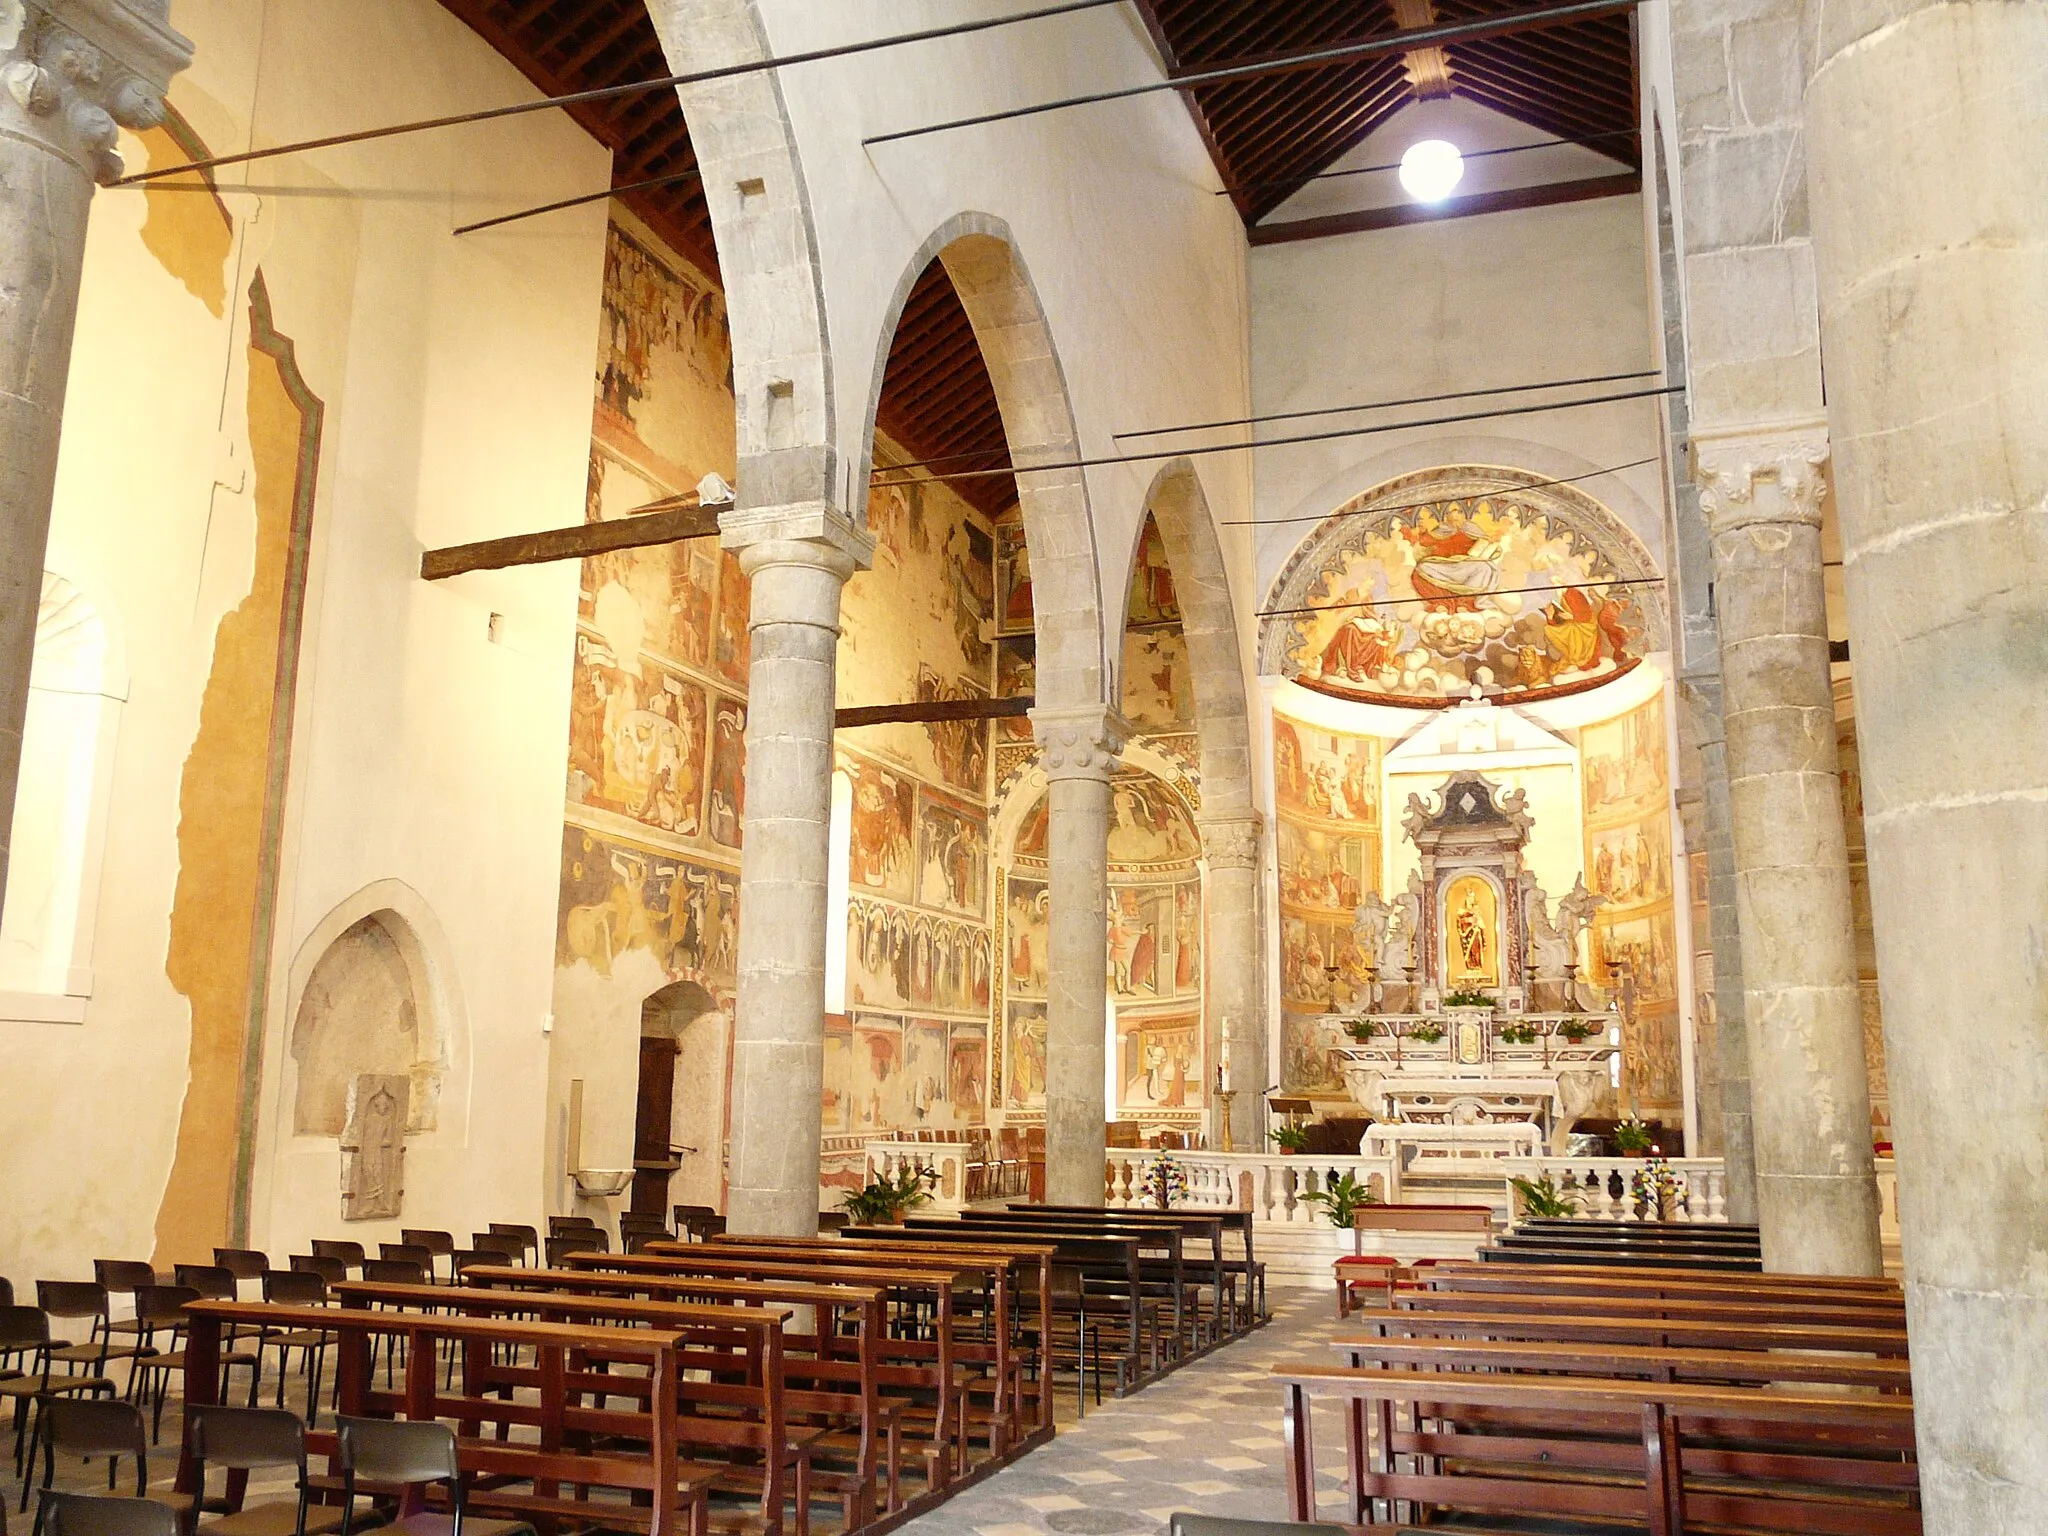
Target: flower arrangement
1289,1137
1658,1189
1517,1034
1426,1032
1164,1182
1631,1137
1470,997
1578,1031
883,1201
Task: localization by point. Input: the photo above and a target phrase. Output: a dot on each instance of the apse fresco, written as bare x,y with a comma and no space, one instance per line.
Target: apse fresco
1327,846
1433,586
885,1074
1634,939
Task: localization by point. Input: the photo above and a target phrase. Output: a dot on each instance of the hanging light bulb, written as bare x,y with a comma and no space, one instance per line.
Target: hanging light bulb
1431,170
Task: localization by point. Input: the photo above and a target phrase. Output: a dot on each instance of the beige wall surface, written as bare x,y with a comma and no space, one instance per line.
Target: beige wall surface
425,760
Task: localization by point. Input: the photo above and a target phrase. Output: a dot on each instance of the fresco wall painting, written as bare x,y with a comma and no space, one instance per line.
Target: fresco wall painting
1634,939
1327,841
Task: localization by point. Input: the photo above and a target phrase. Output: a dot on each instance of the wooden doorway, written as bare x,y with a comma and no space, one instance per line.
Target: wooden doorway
664,1016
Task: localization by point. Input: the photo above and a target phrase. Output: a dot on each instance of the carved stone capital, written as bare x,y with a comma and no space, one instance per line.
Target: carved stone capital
834,538
1079,741
73,73
1774,476
1232,842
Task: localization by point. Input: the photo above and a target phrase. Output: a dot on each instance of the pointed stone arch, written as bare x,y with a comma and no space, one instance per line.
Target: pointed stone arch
1010,325
768,253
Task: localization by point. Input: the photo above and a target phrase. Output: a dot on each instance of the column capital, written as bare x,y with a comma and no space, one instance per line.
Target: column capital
75,72
810,533
1079,741
1231,840
1768,475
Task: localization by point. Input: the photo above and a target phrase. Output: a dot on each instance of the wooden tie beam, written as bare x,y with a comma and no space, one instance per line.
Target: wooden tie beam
668,524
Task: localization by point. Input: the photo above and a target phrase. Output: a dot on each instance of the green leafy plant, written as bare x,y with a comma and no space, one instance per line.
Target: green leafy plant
1342,1200
1518,1034
1631,1137
1427,1033
1363,1029
1289,1137
1578,1031
1471,997
883,1201
1542,1198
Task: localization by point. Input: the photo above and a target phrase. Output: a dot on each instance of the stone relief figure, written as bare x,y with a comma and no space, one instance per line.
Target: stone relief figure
1369,924
1415,818
373,1147
1395,959
1575,914
1549,950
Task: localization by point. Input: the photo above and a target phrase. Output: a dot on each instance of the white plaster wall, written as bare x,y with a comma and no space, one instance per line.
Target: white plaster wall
457,383
1454,304
1139,265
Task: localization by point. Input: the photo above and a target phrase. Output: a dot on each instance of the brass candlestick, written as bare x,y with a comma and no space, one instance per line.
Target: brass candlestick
1223,1097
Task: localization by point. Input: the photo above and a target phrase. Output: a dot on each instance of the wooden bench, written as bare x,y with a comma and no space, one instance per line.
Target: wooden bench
1246,1268
834,1373
932,1367
1736,1365
1019,1272
1423,1218
1619,1326
675,1491
1656,1456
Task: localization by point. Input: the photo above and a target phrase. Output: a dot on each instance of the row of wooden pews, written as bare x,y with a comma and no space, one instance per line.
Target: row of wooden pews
742,1386
1639,1244
1662,1398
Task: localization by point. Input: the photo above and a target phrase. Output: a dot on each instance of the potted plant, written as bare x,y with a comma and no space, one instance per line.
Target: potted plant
883,1202
1578,1031
1541,1198
1427,1032
1631,1137
1471,997
1289,1138
1517,1033
1342,1199
1363,1030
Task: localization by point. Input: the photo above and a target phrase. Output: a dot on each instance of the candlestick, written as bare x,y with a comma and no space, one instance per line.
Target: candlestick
1223,1097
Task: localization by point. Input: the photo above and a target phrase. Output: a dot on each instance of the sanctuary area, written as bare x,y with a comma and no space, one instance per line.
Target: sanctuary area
756,751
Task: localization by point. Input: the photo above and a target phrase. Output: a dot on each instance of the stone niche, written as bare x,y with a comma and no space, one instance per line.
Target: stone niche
366,1048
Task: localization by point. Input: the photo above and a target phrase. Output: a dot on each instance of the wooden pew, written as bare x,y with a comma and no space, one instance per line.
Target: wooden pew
1201,1326
1619,1326
1668,1285
1116,1261
835,1372
765,1402
1423,1218
934,1368
1240,1222
1510,1256
676,1491
1661,1456
1020,1270
1733,1366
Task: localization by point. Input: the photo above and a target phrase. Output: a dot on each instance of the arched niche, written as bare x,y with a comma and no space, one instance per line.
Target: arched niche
373,990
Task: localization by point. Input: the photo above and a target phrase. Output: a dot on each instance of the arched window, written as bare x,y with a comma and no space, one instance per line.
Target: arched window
60,808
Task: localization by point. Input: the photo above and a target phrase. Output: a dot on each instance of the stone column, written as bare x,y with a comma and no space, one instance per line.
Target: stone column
1079,745
1731,1030
1230,847
71,71
1810,1091
798,559
1928,135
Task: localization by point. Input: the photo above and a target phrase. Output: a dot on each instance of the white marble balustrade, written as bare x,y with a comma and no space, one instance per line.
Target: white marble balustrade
948,1159
1269,1184
1593,1180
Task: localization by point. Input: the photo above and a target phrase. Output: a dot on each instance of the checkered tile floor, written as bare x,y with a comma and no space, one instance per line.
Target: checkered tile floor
1206,1439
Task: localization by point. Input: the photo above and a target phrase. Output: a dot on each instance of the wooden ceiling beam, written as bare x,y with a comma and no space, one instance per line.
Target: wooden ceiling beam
1506,200
667,526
